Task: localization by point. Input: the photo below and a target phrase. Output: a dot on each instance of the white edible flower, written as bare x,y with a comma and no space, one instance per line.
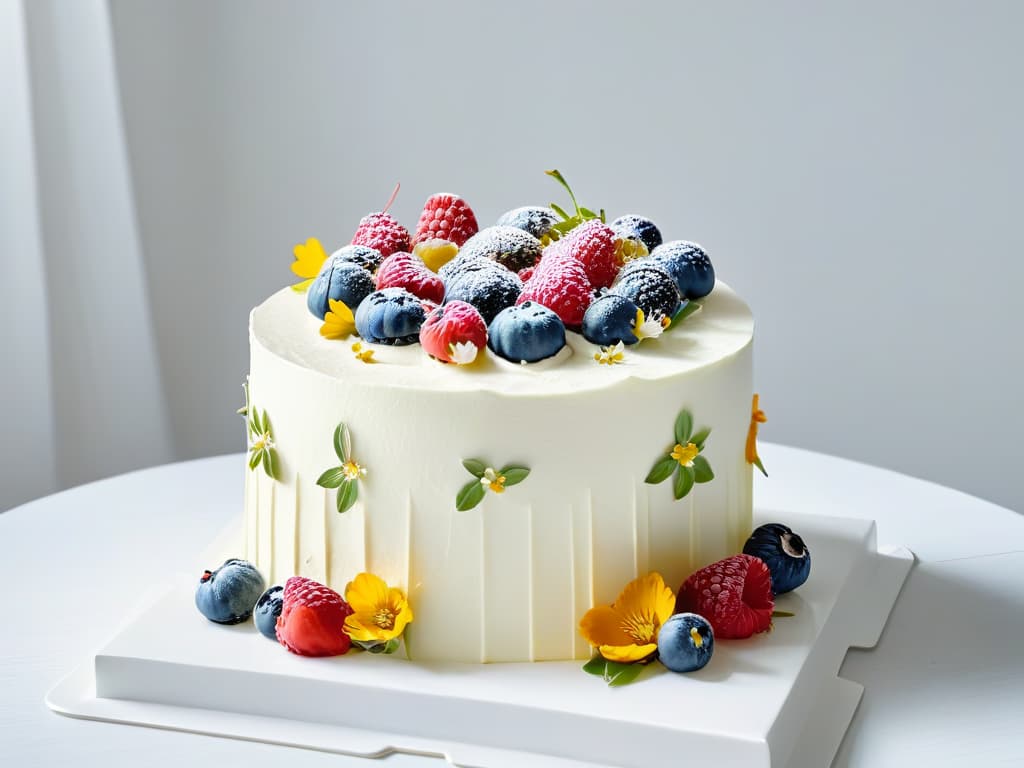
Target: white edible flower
648,327
462,353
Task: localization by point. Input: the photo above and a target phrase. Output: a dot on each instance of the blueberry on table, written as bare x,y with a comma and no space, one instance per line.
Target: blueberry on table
784,552
268,608
526,333
689,265
228,594
685,642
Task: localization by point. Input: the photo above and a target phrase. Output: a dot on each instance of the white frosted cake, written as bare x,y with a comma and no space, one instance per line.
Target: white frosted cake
509,579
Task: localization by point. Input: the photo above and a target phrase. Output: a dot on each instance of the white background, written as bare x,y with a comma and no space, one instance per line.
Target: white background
855,171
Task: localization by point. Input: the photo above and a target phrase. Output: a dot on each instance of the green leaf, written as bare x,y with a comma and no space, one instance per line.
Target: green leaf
702,470
472,493
699,437
759,465
783,614
348,492
391,645
587,213
604,219
613,672
267,467
555,174
560,211
684,482
331,478
661,471
514,475
475,467
342,442
255,459
266,424
684,427
688,308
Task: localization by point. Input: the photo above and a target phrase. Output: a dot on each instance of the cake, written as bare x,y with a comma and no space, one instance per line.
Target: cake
506,497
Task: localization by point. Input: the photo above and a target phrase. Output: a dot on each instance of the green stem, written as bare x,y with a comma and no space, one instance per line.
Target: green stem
555,174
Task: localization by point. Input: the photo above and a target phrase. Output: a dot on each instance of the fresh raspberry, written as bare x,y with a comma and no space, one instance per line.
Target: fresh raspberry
596,245
526,273
403,270
383,232
312,620
734,595
448,328
560,283
447,217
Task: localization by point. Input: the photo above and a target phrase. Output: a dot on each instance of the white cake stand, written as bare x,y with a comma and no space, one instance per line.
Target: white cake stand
773,700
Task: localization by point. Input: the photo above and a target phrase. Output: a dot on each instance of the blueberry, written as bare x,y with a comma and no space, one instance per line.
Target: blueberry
689,266
462,264
609,320
268,608
366,257
490,289
685,642
638,227
526,333
649,286
339,280
390,316
530,218
509,246
228,594
784,552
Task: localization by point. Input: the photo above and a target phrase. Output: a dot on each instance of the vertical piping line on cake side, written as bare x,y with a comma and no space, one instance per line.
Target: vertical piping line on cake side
483,586
693,533
273,528
529,578
256,518
249,555
326,536
590,535
408,543
636,532
296,553
572,582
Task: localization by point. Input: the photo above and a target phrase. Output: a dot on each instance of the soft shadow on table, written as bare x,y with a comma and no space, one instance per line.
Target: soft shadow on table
949,616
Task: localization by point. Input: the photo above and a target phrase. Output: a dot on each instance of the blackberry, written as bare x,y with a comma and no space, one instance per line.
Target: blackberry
649,286
490,290
509,246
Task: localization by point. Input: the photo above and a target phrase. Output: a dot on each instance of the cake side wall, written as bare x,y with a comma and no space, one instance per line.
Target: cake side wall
510,579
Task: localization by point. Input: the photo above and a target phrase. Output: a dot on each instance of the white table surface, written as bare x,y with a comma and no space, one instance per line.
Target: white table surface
945,686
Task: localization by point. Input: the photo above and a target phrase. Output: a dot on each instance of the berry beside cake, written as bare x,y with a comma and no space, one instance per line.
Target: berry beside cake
506,424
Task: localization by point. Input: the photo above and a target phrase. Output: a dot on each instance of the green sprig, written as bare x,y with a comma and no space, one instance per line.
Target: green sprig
615,673
569,221
473,492
699,470
345,478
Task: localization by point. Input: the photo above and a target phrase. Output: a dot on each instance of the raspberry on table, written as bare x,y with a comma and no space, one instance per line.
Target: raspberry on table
734,595
312,620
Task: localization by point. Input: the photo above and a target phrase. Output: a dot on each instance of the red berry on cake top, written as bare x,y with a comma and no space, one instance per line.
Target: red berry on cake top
403,270
454,333
312,620
734,594
382,231
560,283
595,245
446,217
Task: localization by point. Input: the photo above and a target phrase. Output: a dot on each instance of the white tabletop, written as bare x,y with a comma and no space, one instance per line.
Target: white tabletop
944,687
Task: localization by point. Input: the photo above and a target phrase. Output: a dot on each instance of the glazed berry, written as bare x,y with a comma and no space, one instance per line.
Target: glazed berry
689,265
596,246
648,286
609,320
454,333
403,270
390,316
526,333
511,247
685,642
489,289
534,219
639,228
312,621
560,283
436,253
734,595
340,280
382,232
268,608
785,554
464,263
446,217
366,257
228,594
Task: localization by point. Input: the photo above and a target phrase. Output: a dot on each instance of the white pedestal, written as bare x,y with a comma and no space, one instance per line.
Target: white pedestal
773,700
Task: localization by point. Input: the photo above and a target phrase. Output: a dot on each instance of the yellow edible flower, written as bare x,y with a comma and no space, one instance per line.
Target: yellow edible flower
339,322
353,470
493,480
627,630
380,613
685,454
309,257
611,355
750,449
364,355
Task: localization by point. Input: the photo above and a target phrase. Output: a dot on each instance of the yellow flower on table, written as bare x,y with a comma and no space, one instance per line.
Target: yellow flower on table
380,613
339,322
627,630
309,257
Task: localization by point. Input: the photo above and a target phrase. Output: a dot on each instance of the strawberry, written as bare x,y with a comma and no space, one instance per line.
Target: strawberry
403,270
447,217
597,247
734,595
454,333
559,282
312,620
382,231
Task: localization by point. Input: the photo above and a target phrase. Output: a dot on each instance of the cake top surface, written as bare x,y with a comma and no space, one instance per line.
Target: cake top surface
283,326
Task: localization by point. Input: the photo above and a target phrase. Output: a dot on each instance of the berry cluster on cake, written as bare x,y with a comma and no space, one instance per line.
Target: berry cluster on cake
498,428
